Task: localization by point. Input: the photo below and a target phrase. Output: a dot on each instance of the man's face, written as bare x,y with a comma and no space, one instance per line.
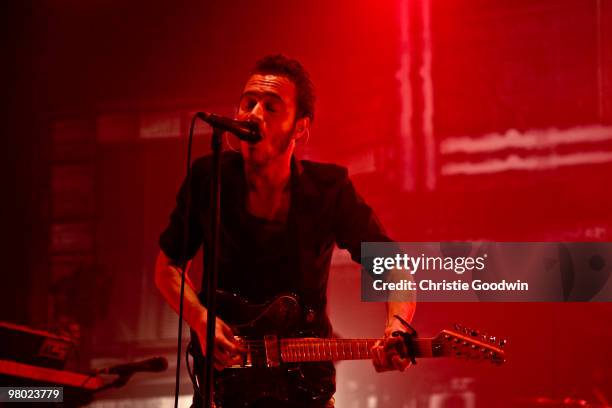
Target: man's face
269,100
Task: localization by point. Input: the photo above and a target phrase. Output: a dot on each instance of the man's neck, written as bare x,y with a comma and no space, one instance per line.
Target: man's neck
271,178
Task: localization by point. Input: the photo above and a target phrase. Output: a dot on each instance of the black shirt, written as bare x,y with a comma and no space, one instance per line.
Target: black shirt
267,259
260,258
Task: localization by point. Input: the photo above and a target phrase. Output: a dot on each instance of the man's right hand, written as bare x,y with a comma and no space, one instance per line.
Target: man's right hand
228,350
168,281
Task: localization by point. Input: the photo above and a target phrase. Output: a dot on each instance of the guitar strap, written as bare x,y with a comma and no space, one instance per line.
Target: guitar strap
407,336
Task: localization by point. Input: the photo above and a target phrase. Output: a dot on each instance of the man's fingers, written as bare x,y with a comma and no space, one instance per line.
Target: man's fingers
237,359
225,329
374,355
387,355
226,345
218,363
396,362
229,334
396,345
228,340
221,343
224,358
227,350
399,363
375,352
378,358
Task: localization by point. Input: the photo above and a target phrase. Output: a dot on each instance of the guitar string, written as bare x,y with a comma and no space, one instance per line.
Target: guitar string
262,346
312,353
332,342
261,343
257,346
317,340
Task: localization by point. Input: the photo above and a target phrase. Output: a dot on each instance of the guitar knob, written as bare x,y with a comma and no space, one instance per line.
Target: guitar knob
474,333
458,327
310,315
502,343
492,339
297,371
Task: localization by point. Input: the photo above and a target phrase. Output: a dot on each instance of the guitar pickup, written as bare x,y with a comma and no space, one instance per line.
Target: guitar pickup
272,351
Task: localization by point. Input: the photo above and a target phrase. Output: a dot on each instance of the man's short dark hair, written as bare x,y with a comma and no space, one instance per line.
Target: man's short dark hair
281,65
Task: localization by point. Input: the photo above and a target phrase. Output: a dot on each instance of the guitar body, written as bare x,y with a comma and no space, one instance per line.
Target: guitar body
284,362
255,378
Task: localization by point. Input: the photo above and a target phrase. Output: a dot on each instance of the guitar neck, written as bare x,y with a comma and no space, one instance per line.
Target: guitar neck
315,349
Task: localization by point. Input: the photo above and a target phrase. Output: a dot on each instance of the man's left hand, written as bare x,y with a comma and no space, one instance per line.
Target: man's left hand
390,353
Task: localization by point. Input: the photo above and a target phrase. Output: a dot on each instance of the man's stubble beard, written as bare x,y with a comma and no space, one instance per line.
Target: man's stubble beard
287,140
284,145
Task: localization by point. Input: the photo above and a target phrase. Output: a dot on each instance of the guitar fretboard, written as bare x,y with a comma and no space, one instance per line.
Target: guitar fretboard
315,349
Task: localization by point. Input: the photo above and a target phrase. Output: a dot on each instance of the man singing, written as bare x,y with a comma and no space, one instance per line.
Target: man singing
280,219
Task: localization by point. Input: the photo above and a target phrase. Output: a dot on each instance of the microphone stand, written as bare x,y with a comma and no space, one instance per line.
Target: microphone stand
213,264
209,285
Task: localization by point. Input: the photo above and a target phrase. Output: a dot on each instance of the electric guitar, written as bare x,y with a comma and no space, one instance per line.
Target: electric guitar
277,349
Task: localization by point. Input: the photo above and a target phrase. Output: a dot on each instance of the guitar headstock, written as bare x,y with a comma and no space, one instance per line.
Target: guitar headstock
464,342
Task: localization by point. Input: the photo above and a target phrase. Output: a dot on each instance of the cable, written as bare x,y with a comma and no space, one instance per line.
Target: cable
192,376
183,260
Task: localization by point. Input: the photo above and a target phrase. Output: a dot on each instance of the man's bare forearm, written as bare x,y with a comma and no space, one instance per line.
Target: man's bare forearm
168,281
400,303
403,309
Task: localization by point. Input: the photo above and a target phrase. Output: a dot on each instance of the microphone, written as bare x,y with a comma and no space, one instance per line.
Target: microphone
154,365
244,130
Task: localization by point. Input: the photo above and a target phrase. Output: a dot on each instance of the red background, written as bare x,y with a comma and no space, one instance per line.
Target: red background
100,92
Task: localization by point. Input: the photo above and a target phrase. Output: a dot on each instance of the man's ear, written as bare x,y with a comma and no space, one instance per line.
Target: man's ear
301,127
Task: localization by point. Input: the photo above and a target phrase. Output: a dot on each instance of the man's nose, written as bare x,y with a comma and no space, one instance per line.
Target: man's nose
256,114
